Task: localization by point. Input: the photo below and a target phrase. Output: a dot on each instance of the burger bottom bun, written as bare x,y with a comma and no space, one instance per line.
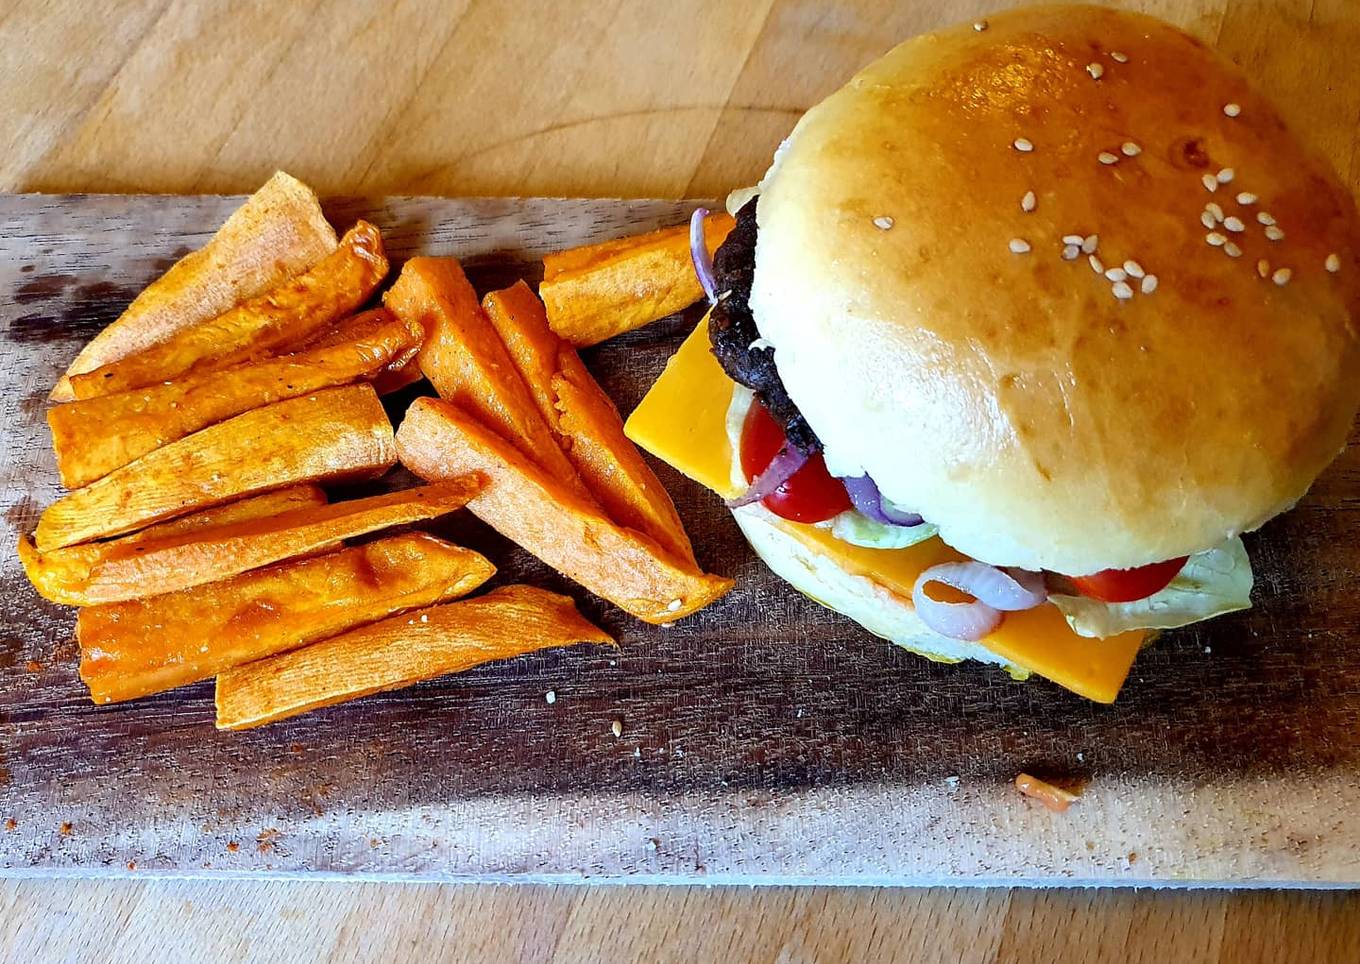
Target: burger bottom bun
881,612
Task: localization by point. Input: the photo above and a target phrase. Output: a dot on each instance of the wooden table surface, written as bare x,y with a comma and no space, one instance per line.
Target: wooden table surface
610,98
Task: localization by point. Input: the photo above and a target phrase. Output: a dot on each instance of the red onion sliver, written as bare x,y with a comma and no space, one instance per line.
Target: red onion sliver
987,584
698,255
868,501
1032,582
786,463
992,589
969,621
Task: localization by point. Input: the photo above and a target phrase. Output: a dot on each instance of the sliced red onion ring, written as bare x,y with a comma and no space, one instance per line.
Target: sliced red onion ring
786,463
698,254
987,584
968,621
869,502
1032,582
992,589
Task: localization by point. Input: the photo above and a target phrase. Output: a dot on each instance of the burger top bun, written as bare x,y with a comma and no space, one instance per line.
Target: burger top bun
1065,285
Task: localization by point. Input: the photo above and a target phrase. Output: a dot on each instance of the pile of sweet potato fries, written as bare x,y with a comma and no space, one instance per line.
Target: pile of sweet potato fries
196,432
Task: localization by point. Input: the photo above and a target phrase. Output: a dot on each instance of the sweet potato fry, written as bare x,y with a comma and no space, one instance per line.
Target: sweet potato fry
254,507
394,379
95,436
51,572
336,434
145,646
603,290
105,572
398,652
438,440
400,372
278,232
587,424
266,324
466,362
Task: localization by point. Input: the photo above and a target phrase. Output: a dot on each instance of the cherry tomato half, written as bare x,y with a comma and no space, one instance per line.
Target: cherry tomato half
1126,585
811,495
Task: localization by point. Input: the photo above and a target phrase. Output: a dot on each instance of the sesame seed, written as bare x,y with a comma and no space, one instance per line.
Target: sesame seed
1274,234
1096,264
1107,158
1072,239
883,222
1134,269
1149,284
1019,246
617,728
674,605
1246,197
1282,277
1029,202
1232,110
1224,176
1090,243
1023,144
550,696
1116,274
1208,220
1210,182
980,25
1234,223
1213,208
1333,262
1130,149
1265,217
1096,71
424,617
1263,268
1216,239
1121,290
1232,250
1118,57
1070,252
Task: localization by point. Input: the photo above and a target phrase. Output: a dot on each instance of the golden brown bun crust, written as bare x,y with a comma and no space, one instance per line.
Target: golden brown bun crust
1012,398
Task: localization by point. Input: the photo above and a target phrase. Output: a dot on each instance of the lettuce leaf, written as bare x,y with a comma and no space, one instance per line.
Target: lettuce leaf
859,530
1211,583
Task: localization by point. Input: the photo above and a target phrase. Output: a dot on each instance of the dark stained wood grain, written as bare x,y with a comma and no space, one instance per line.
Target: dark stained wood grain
765,739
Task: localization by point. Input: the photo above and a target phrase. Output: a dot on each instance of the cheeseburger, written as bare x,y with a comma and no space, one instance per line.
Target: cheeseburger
1022,329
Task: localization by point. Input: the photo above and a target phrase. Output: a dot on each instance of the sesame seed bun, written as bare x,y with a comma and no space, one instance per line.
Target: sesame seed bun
952,345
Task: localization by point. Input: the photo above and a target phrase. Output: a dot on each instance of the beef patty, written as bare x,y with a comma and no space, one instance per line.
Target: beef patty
734,337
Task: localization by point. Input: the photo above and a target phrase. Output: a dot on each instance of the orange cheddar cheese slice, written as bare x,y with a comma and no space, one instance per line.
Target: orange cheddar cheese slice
683,421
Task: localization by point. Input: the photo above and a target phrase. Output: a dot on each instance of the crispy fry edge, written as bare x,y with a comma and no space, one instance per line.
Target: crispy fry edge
388,655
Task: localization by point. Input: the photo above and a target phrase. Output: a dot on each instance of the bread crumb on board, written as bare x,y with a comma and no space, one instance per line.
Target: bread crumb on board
1053,797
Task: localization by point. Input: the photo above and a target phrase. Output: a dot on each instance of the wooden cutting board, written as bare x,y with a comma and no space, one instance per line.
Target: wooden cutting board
764,740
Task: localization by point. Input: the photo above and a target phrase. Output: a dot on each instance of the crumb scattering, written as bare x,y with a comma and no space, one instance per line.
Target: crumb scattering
1054,798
